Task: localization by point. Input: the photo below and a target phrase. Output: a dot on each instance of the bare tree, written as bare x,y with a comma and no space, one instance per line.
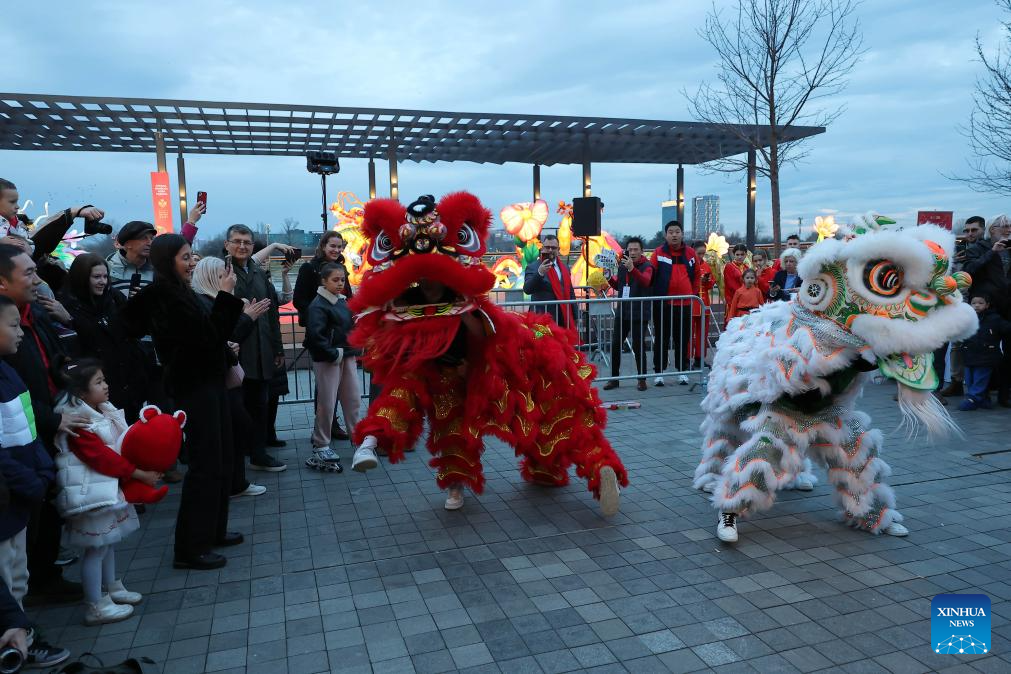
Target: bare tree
290,226
989,130
776,58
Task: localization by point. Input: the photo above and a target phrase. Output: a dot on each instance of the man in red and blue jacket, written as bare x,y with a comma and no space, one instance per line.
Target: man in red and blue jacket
675,265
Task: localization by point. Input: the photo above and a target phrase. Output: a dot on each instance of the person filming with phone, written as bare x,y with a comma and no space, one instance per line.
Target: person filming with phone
633,280
551,281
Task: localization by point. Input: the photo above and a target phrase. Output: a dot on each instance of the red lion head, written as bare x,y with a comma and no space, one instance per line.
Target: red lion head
426,274
425,254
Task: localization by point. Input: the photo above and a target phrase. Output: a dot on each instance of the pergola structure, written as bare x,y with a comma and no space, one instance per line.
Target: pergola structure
102,124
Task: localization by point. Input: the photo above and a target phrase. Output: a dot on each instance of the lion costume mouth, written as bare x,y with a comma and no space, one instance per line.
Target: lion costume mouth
427,299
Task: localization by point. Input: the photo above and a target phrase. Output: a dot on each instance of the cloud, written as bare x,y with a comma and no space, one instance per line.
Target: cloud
889,151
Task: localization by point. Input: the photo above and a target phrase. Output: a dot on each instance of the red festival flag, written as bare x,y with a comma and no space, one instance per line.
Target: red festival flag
939,218
161,198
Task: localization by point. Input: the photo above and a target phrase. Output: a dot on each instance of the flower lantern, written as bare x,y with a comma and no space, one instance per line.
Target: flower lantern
525,220
825,227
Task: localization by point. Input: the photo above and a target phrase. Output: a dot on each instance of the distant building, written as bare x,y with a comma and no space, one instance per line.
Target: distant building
668,212
705,216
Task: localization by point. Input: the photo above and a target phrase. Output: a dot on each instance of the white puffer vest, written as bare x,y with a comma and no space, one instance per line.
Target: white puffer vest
83,489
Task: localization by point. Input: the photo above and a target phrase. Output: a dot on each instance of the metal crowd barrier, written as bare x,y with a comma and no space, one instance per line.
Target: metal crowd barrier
608,328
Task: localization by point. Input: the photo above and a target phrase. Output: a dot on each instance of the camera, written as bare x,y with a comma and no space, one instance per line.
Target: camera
96,227
11,660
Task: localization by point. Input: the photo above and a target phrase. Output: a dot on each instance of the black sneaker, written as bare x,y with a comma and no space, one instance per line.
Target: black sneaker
42,654
268,464
66,557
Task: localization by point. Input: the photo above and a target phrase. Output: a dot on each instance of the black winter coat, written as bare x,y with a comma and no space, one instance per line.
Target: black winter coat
783,293
327,327
983,348
259,340
191,342
306,283
102,335
988,277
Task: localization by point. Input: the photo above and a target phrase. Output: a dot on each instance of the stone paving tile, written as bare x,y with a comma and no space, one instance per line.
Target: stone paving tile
367,573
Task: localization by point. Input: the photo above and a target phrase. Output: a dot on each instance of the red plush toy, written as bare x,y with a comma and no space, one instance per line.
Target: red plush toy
152,443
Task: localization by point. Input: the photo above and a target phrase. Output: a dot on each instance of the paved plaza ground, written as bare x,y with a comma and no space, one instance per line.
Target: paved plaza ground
360,573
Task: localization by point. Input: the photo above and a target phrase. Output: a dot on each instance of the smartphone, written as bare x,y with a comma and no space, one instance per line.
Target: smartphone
228,260
135,280
294,255
202,199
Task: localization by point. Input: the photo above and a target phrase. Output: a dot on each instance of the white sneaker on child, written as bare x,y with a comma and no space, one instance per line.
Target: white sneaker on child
455,499
106,611
119,594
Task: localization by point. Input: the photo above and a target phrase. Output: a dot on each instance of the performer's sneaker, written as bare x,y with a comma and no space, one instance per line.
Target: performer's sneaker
455,499
726,527
683,379
365,456
895,529
610,493
658,381
709,487
803,483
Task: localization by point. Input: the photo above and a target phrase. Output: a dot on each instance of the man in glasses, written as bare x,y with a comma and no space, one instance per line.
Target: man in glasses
260,347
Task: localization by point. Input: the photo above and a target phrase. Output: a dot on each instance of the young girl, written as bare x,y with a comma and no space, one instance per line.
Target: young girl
747,297
733,273
86,393
327,324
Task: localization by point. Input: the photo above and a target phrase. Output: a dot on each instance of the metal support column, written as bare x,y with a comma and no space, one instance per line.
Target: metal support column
750,235
181,175
159,150
372,178
537,182
391,157
681,196
587,192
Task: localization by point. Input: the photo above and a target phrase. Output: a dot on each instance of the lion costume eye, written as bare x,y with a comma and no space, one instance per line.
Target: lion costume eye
467,239
382,247
883,277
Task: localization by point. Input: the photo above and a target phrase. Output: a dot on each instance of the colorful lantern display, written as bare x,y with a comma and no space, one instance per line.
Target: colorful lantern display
525,219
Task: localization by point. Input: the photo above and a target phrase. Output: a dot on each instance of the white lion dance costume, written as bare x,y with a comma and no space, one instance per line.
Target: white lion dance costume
786,377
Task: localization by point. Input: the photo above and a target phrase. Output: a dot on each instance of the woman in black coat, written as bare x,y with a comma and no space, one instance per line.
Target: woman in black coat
192,344
95,308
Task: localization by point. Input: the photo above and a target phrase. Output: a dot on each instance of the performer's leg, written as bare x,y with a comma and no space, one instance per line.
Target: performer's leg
456,452
858,474
395,417
722,435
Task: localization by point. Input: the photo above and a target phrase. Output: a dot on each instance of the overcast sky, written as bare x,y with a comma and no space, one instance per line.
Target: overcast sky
889,152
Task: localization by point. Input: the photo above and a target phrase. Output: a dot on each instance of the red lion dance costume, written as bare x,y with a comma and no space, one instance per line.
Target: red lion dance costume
441,349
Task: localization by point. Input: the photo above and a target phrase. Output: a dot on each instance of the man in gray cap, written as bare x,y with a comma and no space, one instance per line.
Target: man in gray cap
129,267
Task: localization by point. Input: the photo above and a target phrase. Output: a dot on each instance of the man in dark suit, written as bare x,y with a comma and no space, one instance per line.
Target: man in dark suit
551,281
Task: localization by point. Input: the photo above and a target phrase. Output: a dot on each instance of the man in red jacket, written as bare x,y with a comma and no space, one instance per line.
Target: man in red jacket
675,266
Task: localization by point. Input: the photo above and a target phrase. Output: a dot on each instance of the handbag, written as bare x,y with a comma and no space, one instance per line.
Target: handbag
81,488
129,666
234,377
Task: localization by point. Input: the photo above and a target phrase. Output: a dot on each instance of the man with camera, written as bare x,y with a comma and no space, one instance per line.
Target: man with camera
551,281
633,280
261,351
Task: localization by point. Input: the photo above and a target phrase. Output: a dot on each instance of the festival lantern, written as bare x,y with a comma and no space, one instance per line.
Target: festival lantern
350,214
825,227
564,228
525,219
716,247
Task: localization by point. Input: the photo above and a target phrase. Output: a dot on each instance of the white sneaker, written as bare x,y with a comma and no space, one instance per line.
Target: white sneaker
119,594
610,493
683,379
726,527
106,611
365,456
803,483
895,529
658,381
251,490
709,487
455,499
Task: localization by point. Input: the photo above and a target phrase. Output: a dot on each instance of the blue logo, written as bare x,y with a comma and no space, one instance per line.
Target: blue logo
960,624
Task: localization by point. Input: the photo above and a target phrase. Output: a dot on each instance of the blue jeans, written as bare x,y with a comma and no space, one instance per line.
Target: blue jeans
976,381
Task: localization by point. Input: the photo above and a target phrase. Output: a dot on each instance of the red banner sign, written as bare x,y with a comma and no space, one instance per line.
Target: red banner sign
939,218
161,198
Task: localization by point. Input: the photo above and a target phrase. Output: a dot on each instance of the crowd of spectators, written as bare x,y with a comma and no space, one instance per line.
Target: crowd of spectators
146,325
